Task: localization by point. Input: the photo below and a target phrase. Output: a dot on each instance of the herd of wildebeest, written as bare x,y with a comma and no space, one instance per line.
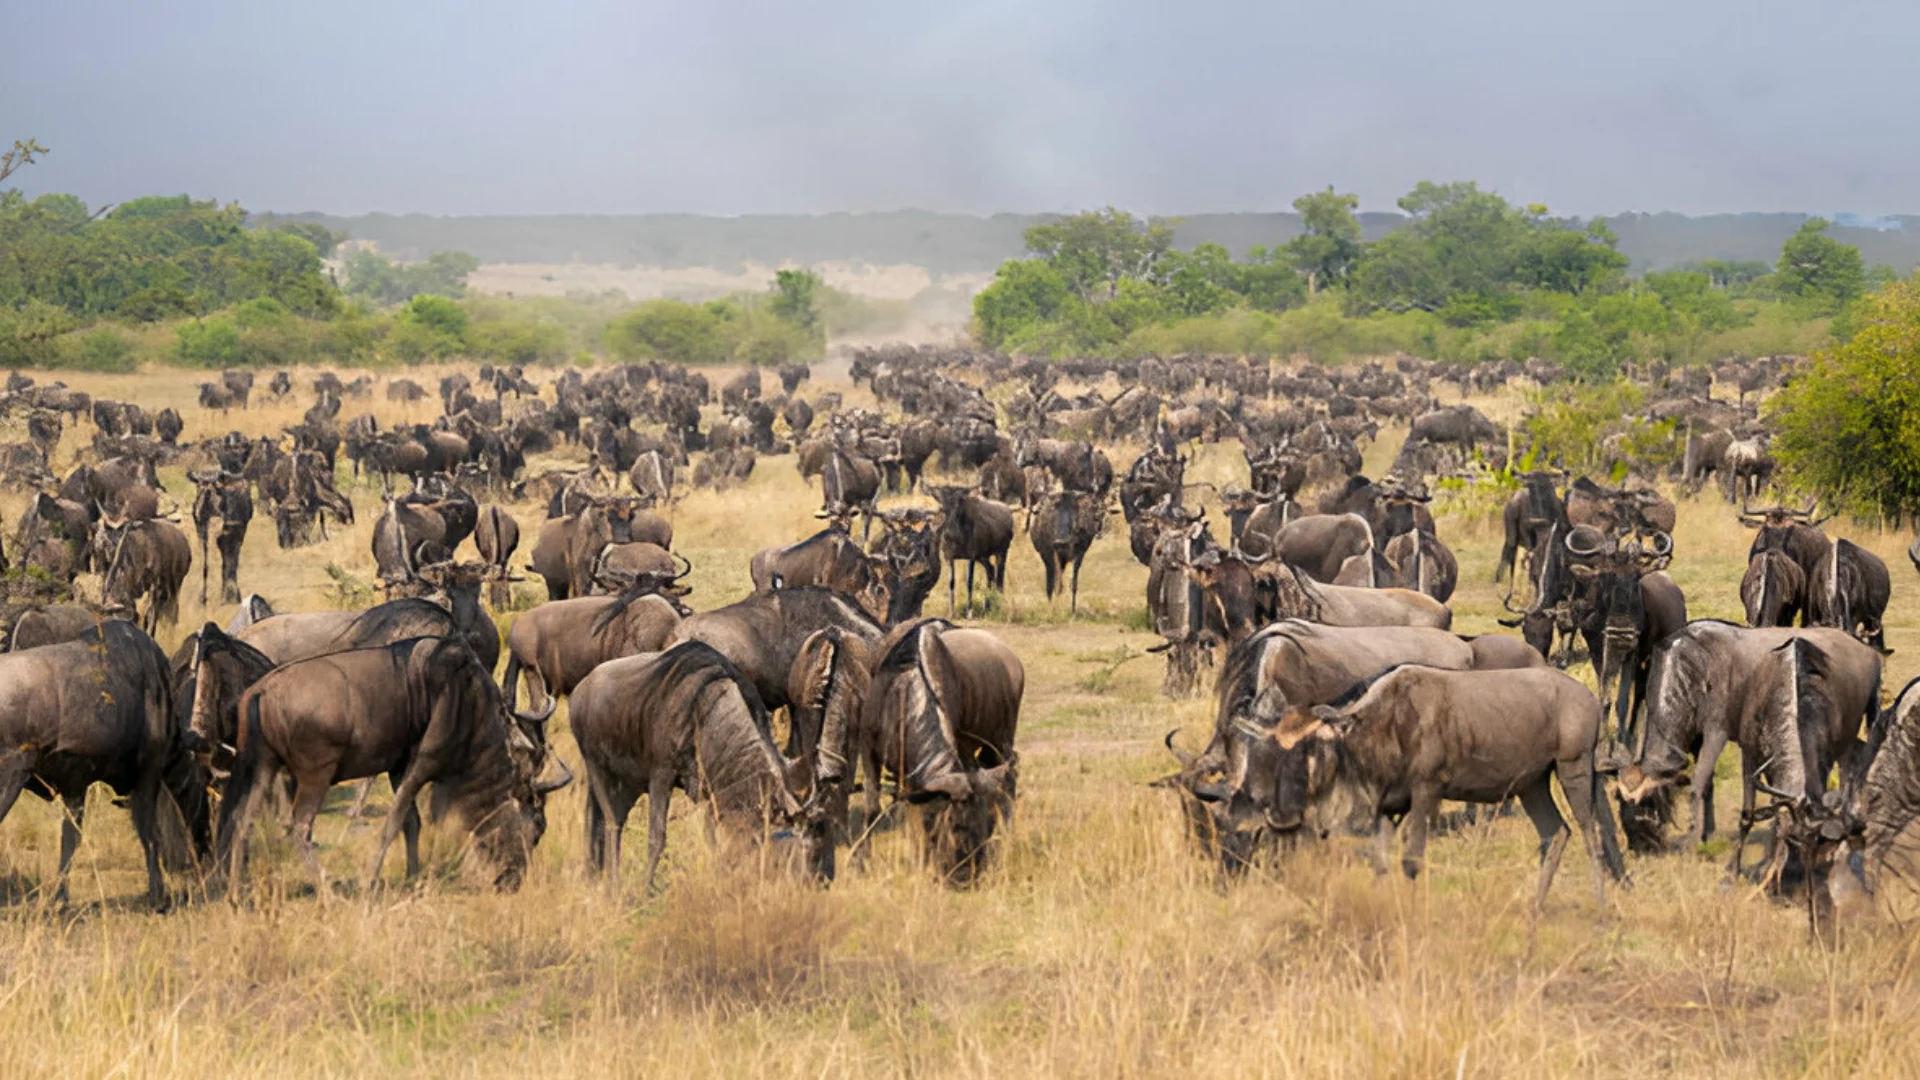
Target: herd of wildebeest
1345,702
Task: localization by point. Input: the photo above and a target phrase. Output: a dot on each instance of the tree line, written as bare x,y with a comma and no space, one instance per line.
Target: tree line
1470,276
179,280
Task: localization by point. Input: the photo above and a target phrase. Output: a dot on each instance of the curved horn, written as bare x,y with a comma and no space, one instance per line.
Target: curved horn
553,702
686,565
1662,545
1585,540
1186,760
545,787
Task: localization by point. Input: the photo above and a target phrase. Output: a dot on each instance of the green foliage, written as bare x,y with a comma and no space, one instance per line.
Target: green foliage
374,276
323,239
209,343
102,349
1025,293
430,328
793,298
671,330
22,154
1818,270
1582,428
1850,429
1094,252
1330,248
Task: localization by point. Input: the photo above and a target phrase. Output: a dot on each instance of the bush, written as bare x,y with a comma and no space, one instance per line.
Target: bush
672,330
103,349
210,343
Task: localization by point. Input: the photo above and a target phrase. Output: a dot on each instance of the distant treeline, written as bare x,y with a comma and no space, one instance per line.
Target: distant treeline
959,243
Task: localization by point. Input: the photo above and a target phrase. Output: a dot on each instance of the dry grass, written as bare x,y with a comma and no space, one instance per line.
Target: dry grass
1098,946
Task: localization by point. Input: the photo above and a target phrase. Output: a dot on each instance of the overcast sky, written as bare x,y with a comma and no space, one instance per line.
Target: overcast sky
756,106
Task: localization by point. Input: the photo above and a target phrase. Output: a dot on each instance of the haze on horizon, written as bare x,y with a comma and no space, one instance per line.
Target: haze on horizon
749,106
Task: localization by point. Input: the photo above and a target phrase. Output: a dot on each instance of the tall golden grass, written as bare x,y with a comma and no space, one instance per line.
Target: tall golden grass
1097,946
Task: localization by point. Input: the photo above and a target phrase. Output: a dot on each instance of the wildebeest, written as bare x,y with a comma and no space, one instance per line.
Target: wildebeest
99,709
225,499
940,717
687,718
850,480
1298,596
976,529
652,477
1245,789
1417,735
1849,591
1063,529
555,645
497,536
1531,515
143,559
1773,591
50,625
421,711
1322,546
1713,682
1792,533
302,634
763,634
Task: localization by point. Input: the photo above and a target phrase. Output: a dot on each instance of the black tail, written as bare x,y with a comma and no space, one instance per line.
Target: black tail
240,784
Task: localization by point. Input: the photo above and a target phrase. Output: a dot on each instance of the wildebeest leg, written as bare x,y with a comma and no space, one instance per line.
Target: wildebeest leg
1383,830
205,564
659,792
1587,798
410,828
73,810
1074,607
953,571
145,807
1749,794
1701,798
360,798
1537,800
1419,821
404,794
309,792
972,564
1052,568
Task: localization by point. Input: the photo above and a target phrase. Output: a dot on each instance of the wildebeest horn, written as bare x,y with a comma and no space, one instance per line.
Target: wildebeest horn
1662,545
1585,540
545,787
1186,760
686,565
540,717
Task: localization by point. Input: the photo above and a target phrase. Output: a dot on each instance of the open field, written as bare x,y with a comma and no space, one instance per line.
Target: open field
1097,946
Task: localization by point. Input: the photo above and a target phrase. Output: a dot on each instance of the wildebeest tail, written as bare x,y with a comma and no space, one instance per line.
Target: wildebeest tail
240,782
1609,836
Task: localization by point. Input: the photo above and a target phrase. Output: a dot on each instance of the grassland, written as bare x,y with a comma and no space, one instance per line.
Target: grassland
1098,946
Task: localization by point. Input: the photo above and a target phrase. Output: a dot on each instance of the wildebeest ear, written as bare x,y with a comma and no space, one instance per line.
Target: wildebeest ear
1295,727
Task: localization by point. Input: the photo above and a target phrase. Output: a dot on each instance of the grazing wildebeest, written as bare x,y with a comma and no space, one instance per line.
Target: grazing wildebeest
1064,526
763,633
687,718
497,536
940,717
1850,592
1248,789
1404,741
421,711
227,500
1713,682
974,528
143,559
211,670
99,709
555,645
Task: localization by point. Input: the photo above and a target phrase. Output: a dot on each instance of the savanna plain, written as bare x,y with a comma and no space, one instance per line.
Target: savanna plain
1098,944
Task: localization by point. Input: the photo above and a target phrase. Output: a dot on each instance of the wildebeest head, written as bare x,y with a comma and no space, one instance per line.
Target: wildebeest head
1335,798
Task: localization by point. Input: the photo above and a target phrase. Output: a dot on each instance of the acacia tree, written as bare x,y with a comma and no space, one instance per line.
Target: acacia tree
1849,430
1094,252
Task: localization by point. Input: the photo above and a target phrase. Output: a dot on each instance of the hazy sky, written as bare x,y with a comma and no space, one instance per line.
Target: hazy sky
728,106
